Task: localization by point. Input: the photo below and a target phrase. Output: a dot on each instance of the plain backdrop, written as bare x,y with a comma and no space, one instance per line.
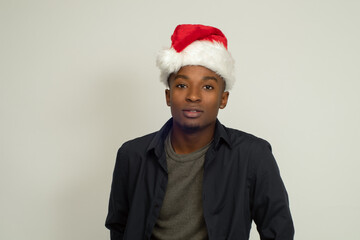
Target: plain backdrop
78,78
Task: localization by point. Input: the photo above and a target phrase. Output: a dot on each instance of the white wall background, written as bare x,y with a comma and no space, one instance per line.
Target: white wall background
78,78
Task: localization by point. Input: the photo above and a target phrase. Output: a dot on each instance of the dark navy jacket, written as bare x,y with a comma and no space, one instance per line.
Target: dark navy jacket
241,183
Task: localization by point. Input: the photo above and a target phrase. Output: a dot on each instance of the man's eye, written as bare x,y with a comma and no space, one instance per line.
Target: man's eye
181,85
208,87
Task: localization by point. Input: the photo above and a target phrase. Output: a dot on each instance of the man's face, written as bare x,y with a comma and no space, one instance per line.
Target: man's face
195,96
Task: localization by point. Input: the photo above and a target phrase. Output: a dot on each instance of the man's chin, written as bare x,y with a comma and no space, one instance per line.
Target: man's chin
190,128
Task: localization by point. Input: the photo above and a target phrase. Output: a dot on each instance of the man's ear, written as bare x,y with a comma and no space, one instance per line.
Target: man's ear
167,96
224,99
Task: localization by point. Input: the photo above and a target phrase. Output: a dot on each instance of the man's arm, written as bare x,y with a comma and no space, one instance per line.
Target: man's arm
118,203
270,206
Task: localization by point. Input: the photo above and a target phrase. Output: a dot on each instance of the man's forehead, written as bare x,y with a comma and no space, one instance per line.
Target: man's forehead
198,68
204,78
208,74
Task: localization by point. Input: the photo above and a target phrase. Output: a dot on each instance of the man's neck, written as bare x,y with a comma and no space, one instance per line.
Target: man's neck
184,142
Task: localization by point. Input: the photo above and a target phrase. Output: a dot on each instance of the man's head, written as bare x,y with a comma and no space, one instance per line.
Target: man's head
199,71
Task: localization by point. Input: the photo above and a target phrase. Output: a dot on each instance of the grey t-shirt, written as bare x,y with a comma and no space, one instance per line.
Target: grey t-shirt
181,215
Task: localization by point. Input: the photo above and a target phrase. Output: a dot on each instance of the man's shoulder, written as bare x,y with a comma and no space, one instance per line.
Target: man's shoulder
255,149
241,138
146,142
139,143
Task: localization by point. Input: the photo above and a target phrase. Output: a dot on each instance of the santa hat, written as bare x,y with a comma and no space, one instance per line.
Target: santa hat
197,45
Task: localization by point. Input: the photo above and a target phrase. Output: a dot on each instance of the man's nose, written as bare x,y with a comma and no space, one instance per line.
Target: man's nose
193,95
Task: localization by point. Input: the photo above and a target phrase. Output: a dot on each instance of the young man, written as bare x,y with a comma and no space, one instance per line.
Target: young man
195,178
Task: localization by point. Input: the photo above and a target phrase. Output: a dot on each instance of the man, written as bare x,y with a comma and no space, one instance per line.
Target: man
195,178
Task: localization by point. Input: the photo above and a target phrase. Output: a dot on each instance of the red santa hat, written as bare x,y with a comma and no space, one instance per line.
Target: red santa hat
197,45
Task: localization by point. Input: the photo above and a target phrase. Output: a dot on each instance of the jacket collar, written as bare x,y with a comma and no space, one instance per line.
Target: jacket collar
221,135
157,143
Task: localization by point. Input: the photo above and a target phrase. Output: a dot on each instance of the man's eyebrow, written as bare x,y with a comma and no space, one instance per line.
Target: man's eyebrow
210,78
181,76
206,78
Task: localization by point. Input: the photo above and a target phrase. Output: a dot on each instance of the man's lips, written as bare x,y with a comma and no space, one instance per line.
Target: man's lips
192,113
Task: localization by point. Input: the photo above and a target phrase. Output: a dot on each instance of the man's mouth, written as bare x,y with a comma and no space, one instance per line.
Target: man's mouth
192,113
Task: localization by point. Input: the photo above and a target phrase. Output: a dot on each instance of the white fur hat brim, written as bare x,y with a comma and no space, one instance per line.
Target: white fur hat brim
212,55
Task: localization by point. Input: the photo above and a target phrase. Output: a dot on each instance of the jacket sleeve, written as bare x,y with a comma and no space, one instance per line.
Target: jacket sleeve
118,203
269,204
